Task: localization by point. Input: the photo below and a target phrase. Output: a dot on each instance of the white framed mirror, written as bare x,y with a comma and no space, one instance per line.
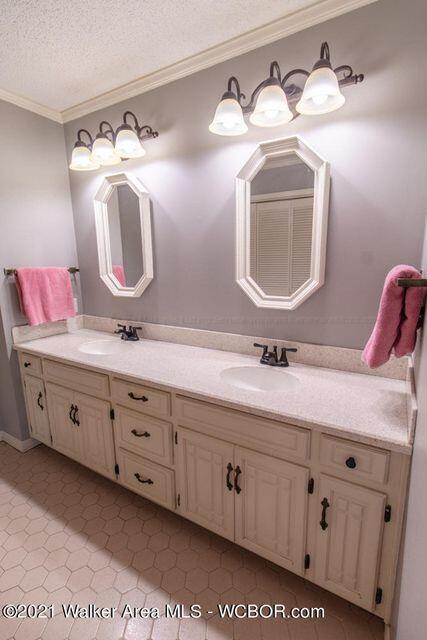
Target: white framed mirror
123,231
282,202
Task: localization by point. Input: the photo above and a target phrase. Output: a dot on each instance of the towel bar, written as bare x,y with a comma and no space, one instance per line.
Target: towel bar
12,272
412,282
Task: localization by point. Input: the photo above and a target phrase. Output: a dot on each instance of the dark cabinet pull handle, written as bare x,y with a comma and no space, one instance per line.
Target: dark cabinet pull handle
70,414
27,364
134,397
137,434
39,397
351,462
138,477
236,477
325,505
228,481
75,419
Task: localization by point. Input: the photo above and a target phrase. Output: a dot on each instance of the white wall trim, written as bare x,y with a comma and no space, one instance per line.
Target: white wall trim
262,154
281,28
20,445
30,105
322,11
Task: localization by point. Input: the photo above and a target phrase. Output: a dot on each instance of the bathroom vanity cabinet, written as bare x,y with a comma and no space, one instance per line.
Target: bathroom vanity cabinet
321,505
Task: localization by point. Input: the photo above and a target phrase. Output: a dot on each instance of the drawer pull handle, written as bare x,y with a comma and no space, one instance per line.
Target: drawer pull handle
39,397
27,364
134,397
325,505
70,414
236,478
137,434
138,477
350,462
227,480
75,419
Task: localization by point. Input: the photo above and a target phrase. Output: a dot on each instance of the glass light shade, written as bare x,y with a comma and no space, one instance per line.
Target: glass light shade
128,144
81,159
104,153
321,93
271,107
228,119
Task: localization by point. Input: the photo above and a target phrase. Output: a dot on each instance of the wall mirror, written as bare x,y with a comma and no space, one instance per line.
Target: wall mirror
282,197
123,229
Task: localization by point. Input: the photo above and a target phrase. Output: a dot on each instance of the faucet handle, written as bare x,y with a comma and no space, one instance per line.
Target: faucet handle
261,346
283,357
122,328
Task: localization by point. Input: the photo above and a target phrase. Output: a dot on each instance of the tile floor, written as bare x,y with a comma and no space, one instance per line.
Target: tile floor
67,535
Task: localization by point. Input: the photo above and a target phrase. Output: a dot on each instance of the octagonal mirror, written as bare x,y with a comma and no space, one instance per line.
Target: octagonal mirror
282,198
123,228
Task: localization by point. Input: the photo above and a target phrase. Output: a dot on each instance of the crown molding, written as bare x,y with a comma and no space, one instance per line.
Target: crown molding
322,11
292,23
30,105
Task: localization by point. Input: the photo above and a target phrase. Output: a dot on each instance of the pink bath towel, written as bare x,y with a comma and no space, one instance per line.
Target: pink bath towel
45,294
396,325
119,272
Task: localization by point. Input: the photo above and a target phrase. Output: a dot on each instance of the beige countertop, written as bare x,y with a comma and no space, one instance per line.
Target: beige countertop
365,408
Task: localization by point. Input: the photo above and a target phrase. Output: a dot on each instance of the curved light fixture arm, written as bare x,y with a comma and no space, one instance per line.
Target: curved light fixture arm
324,52
108,130
348,76
234,81
79,138
142,131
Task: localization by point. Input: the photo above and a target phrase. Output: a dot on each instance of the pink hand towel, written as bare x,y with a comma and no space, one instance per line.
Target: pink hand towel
119,272
396,324
45,294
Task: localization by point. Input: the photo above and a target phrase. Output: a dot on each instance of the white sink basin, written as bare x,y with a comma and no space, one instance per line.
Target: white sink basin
100,347
260,378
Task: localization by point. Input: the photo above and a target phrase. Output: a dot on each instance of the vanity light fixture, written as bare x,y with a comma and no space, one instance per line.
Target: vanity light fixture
110,147
272,100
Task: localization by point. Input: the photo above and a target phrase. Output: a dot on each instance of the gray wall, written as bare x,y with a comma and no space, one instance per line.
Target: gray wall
413,586
376,147
36,229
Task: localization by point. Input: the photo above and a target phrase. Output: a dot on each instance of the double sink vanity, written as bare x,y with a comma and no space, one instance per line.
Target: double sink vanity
306,466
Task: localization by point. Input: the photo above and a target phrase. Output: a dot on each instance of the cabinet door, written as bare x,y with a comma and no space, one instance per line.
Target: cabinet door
65,437
37,409
95,433
348,541
202,473
271,508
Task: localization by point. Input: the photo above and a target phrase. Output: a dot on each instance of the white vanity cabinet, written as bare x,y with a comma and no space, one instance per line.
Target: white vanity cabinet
205,477
38,418
348,540
253,499
321,505
81,428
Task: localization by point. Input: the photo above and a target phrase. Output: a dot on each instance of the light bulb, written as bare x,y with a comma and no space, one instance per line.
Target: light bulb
103,151
81,159
271,107
321,92
128,144
228,119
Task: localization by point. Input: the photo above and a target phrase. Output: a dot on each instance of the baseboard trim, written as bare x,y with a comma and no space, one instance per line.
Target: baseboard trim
20,445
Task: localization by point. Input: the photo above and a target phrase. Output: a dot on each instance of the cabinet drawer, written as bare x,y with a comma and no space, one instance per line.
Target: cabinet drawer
30,364
76,378
266,436
142,434
358,461
141,398
147,478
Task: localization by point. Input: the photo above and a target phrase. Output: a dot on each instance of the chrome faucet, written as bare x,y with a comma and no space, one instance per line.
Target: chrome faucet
128,334
271,357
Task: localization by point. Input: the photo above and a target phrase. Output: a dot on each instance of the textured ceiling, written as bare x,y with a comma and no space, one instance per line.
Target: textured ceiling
60,53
